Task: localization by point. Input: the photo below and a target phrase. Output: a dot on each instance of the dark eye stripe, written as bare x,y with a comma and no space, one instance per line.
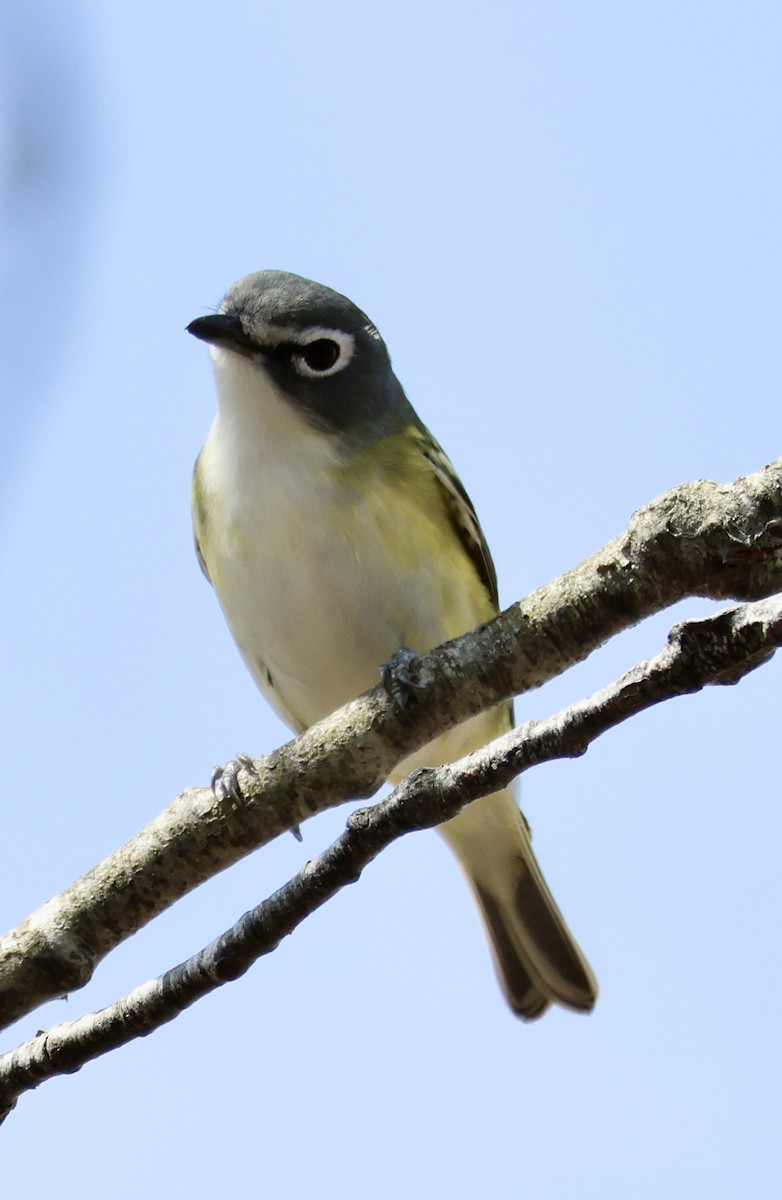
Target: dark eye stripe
283,352
319,355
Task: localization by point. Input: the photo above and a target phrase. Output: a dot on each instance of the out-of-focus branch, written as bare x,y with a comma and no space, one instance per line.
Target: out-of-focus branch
718,650
701,539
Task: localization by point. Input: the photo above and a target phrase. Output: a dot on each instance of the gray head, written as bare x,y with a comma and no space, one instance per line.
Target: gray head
322,352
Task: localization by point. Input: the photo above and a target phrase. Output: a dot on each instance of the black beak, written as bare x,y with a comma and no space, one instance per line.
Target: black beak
222,330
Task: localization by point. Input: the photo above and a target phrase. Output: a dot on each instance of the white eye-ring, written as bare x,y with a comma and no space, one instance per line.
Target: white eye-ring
321,352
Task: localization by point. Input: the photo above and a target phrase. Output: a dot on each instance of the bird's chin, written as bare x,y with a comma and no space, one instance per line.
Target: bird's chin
237,356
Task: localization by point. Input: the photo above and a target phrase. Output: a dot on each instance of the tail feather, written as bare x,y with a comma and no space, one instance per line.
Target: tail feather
537,958
523,995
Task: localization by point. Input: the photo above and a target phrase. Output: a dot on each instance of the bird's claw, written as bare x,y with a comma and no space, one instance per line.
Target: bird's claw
398,677
225,783
225,780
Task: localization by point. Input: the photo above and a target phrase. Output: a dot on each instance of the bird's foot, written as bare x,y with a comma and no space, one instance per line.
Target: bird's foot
398,676
225,782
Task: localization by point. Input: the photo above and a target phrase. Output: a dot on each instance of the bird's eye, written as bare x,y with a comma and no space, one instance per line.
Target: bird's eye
321,354
318,351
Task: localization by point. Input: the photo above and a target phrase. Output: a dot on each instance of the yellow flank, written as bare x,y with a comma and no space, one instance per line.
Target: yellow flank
198,508
392,488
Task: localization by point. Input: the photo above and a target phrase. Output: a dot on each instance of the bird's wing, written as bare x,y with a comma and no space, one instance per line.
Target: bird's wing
461,511
199,517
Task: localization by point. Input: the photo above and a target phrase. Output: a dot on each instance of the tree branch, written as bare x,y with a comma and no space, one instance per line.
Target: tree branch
701,539
718,650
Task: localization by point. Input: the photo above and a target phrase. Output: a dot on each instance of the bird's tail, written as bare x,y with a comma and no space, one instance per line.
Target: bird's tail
536,956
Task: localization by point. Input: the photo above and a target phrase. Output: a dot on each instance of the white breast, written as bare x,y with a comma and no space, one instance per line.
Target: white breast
314,603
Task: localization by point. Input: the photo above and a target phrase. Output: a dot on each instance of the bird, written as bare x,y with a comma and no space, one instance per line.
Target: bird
337,535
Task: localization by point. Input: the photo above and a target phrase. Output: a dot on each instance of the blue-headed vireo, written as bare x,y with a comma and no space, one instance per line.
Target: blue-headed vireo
336,532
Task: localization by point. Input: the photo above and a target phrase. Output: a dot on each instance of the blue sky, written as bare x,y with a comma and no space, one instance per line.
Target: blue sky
564,219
